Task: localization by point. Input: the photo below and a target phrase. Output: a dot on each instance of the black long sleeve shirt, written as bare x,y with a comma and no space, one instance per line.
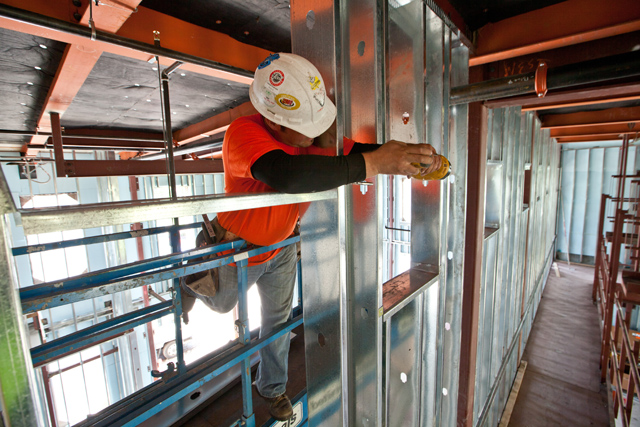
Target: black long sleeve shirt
310,173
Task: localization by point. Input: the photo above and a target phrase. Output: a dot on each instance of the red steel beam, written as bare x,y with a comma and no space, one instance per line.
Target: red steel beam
113,133
595,130
84,168
121,144
610,116
589,138
550,28
571,98
212,125
58,153
174,33
582,52
474,239
78,61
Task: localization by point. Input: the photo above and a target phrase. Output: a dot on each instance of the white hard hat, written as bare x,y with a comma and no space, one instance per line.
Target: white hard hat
288,90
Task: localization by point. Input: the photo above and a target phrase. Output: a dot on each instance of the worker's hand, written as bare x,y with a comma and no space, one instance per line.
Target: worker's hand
399,158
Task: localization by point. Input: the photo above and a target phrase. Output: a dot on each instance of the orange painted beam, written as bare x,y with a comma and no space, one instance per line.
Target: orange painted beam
610,116
174,34
596,130
84,168
563,24
570,98
78,62
579,103
58,9
212,125
591,138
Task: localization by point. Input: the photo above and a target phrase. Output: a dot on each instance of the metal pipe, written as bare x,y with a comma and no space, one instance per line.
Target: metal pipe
599,70
185,149
96,137
166,121
114,39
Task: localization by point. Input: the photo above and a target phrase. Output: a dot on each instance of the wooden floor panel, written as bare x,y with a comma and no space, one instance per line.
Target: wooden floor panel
561,386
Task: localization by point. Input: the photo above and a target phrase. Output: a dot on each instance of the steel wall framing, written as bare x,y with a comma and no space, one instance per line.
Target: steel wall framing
517,252
385,363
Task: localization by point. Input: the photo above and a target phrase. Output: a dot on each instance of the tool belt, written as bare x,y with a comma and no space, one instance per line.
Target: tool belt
217,233
213,233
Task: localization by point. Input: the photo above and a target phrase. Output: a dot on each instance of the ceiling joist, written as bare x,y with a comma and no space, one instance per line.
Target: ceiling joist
611,116
571,98
78,61
592,138
549,28
212,125
175,34
597,130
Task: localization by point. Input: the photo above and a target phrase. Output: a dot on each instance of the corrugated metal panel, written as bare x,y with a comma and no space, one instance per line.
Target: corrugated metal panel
586,174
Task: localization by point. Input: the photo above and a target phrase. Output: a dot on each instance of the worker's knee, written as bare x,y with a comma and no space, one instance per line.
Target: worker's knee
220,303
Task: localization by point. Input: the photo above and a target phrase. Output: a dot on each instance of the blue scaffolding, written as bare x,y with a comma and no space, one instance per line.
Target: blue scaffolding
179,381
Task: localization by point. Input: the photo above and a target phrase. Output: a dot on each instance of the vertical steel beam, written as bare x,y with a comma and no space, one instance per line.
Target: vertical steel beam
474,237
428,223
316,34
56,130
19,397
455,239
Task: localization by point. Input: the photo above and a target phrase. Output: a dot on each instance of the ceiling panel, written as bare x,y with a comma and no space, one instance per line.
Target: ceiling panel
28,65
122,93
262,23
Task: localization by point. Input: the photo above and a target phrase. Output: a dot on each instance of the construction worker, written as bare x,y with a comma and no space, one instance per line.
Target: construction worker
283,148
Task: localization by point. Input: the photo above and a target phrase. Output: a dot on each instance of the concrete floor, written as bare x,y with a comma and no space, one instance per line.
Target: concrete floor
561,385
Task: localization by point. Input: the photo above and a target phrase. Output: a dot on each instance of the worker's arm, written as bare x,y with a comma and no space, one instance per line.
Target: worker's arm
309,173
399,158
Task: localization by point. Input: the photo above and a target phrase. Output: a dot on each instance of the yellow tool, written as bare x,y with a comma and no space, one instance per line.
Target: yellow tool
441,173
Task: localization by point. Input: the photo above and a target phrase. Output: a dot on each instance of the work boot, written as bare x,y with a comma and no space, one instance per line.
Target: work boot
279,407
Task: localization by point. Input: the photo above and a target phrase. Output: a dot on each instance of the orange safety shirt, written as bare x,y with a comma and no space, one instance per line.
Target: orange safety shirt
246,139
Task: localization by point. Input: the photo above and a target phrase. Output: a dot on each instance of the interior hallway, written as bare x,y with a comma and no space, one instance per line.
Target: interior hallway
561,385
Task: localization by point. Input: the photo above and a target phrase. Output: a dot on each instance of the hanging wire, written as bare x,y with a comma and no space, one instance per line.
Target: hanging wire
101,3
92,24
43,170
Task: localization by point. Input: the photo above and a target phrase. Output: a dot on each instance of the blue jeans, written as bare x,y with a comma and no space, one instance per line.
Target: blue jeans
275,279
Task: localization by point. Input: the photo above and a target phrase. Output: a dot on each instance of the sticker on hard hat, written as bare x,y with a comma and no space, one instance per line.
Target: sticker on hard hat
276,77
314,82
288,102
319,97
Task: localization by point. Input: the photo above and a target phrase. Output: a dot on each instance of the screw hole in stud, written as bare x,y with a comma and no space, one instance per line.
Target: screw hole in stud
403,377
311,19
361,48
321,340
195,395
